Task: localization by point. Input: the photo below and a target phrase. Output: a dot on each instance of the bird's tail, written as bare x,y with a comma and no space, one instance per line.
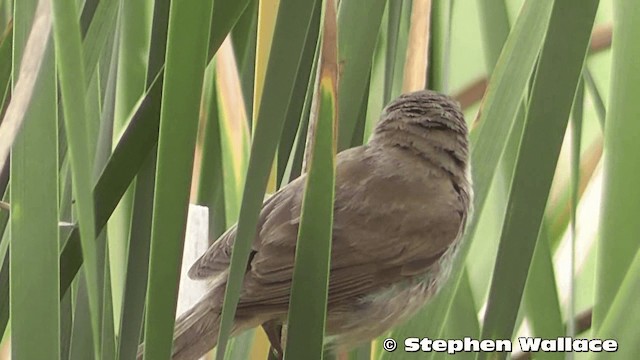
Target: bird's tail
195,333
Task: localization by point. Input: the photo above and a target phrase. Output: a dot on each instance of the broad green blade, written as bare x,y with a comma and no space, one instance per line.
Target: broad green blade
34,213
439,46
81,340
133,44
619,241
306,318
87,14
24,80
303,126
186,58
357,138
244,37
401,44
134,294
100,132
504,93
211,187
68,46
108,340
101,28
577,114
551,99
101,111
225,151
356,47
541,301
464,321
158,46
495,29
375,101
66,325
621,320
234,134
132,245
288,42
394,9
298,98
6,66
224,16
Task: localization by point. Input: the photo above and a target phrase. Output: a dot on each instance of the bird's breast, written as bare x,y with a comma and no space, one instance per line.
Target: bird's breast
388,307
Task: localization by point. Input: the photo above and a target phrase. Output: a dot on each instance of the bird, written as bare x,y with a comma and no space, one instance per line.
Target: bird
401,205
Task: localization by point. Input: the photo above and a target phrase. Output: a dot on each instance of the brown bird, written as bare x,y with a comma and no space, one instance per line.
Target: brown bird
401,205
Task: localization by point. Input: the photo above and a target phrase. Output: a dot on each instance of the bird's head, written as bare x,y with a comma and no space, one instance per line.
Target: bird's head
425,122
424,109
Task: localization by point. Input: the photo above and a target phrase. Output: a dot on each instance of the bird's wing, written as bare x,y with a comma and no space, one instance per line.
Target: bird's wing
386,228
217,258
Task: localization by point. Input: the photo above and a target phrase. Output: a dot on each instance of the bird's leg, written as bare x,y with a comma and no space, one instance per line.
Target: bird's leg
274,334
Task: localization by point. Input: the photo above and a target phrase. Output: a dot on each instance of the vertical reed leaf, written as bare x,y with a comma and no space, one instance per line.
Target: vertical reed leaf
551,100
186,58
134,29
305,332
620,321
291,29
35,310
619,239
68,46
355,49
